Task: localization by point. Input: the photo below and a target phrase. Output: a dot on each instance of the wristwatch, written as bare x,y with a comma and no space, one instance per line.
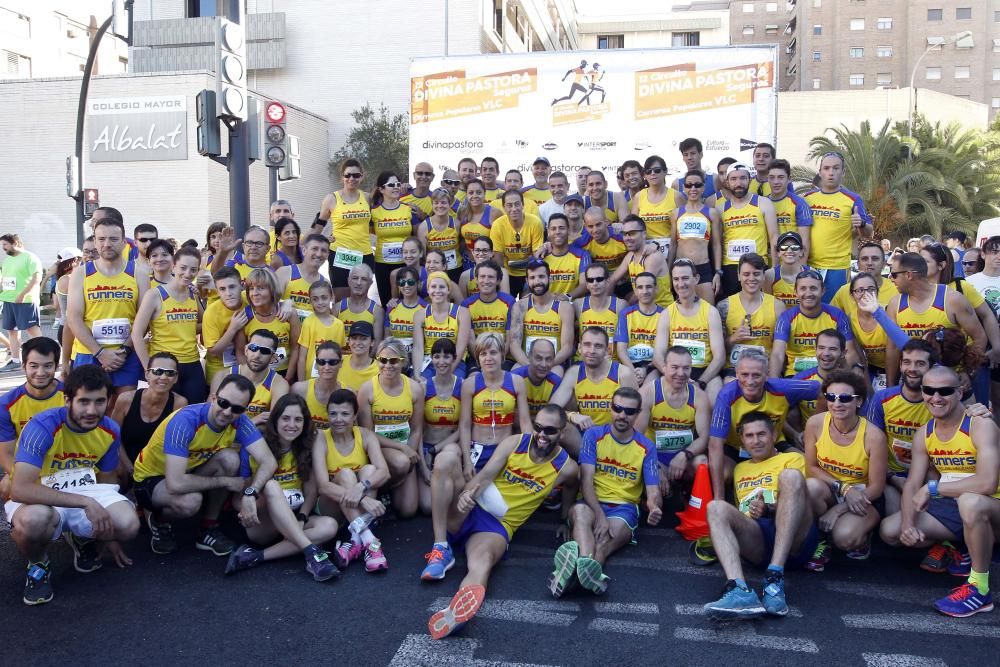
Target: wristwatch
932,486
367,484
250,492
688,453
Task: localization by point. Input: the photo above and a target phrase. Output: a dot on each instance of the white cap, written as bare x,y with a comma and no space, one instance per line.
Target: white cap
69,253
737,166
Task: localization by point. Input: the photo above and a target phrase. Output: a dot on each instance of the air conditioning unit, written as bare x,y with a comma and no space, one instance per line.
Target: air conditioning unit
71,34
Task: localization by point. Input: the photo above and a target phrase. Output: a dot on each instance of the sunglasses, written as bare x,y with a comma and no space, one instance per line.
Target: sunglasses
599,279
893,274
425,174
943,391
840,398
694,185
653,170
353,175
254,347
448,181
169,372
622,409
393,185
146,240
406,282
789,247
389,361
809,273
972,263
545,430
327,362
229,405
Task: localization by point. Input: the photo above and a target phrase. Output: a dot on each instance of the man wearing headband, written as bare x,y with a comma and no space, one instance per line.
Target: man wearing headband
748,225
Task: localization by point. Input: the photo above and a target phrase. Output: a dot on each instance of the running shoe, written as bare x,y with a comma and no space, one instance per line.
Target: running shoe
459,611
243,557
963,601
820,557
701,552
736,603
864,552
960,564
937,558
319,564
10,367
37,586
773,593
565,562
162,540
214,540
439,561
374,558
346,552
591,575
85,555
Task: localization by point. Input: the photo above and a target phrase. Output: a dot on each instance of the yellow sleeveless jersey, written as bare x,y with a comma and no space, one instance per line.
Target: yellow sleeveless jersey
261,401
280,329
752,479
443,407
446,241
313,333
352,379
664,297
399,322
873,342
351,223
297,291
494,407
605,319
784,290
538,395
743,231
954,458
424,203
392,227
845,463
175,328
473,229
524,484
890,411
214,323
762,188
490,316
354,460
609,207
692,332
695,225
286,475
832,229
935,317
799,332
544,325
349,317
318,412
593,399
657,216
610,253
536,194
638,331
109,306
435,330
68,460
761,325
565,270
391,414
670,429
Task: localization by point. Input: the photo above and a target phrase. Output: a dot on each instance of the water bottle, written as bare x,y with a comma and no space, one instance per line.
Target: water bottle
360,524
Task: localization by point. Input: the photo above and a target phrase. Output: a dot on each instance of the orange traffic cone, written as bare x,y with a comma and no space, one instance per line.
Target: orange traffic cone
694,517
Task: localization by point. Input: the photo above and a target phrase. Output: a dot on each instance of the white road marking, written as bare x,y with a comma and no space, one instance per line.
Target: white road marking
699,610
901,660
626,608
679,565
976,626
909,594
525,611
422,651
745,635
624,627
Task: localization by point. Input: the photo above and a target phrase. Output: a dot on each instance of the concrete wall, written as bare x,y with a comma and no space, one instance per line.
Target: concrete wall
179,197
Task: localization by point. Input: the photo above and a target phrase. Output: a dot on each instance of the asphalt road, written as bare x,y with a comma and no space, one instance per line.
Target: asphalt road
183,609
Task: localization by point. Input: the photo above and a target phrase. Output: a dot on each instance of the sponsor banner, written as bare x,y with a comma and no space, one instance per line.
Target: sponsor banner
592,108
137,128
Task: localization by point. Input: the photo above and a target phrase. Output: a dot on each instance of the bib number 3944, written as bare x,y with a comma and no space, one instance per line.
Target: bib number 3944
347,259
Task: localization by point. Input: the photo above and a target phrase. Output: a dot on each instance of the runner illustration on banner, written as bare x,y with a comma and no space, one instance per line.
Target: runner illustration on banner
595,75
579,74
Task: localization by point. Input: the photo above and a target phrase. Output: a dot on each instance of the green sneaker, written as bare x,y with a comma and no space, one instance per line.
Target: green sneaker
591,575
701,552
564,562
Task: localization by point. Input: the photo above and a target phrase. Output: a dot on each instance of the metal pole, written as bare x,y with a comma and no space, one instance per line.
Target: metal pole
272,186
445,27
239,178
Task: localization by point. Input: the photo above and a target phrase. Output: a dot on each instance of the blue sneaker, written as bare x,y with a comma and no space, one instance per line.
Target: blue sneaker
735,604
774,594
963,601
439,561
960,564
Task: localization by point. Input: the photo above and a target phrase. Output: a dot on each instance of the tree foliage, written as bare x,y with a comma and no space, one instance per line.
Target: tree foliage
943,178
379,140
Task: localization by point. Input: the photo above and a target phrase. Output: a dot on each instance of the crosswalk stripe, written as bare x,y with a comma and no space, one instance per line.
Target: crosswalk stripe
932,623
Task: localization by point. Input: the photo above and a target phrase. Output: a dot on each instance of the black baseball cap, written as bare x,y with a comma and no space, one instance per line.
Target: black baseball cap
362,329
790,236
544,160
574,198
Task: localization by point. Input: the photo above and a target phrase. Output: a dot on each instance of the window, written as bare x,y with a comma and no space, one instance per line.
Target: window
197,8
817,56
995,103
884,52
748,30
963,13
685,39
857,24
933,74
748,8
857,52
996,17
817,30
883,79
935,14
771,6
962,72
611,41
14,24
816,84
996,73
883,23
856,80
771,29
14,65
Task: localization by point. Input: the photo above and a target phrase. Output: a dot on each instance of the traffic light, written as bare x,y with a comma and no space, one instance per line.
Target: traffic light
275,151
292,169
231,71
209,138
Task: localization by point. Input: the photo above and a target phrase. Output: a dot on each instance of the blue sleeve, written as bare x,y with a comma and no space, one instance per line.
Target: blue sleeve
36,439
783,327
246,432
588,450
621,331
796,391
843,324
180,432
581,242
803,214
7,433
584,261
650,467
414,220
896,334
859,208
721,413
245,470
109,462
876,413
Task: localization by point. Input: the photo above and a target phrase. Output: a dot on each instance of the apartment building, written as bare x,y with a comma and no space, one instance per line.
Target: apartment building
672,24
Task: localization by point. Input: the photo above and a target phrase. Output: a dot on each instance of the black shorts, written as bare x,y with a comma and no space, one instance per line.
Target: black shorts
338,275
995,374
623,289
796,558
144,492
696,373
733,454
705,272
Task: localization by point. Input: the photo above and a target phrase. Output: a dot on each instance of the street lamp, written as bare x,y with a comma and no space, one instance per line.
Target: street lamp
965,35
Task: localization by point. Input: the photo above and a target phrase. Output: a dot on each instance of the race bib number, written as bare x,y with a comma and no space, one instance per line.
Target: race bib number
8,284
407,343
738,349
303,313
903,451
396,432
347,259
529,340
879,382
280,356
698,351
640,353
475,451
673,441
692,228
804,363
229,357
767,495
664,245
114,331
954,476
450,259
74,478
294,498
392,253
739,247
492,500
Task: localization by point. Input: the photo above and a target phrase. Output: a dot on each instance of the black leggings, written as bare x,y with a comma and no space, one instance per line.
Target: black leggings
382,280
